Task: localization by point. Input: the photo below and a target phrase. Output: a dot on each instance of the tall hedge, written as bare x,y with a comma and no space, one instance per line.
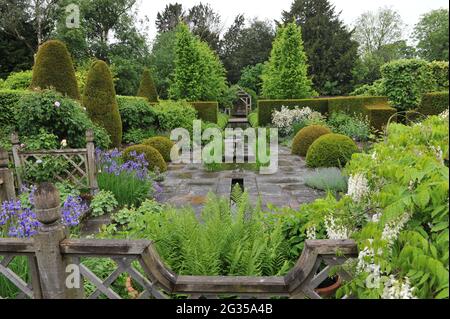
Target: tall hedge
54,69
207,111
100,101
147,88
439,72
434,103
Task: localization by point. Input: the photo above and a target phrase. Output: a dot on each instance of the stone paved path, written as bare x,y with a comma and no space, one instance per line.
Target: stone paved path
189,184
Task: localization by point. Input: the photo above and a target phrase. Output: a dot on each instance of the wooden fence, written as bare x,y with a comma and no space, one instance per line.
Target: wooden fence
81,169
50,252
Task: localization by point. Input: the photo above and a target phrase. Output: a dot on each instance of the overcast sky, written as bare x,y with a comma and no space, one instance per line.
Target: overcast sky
410,10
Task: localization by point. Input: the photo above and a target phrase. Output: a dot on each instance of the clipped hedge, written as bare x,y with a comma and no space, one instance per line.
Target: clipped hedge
331,150
152,156
379,115
354,104
434,103
266,107
136,113
207,111
306,137
54,70
162,144
100,101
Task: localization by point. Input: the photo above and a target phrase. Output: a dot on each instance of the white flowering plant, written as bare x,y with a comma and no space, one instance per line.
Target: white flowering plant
288,118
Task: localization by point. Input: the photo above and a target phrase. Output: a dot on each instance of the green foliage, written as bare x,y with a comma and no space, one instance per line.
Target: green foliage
60,116
220,242
207,111
152,156
328,179
103,203
251,77
9,101
434,103
137,135
44,170
127,216
162,144
253,118
439,73
357,126
54,70
222,120
306,137
405,82
136,113
147,87
199,74
331,150
374,89
379,115
100,101
175,114
285,76
18,80
354,104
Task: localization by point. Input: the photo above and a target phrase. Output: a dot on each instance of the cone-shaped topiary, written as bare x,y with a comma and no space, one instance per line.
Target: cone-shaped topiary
147,88
152,156
162,144
305,137
331,150
100,101
54,69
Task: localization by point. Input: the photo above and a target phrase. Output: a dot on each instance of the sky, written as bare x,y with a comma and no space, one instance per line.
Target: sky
410,10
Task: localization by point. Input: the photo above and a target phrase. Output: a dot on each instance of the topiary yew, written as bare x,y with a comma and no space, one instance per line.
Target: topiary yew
147,88
162,144
152,156
100,101
305,137
331,150
54,69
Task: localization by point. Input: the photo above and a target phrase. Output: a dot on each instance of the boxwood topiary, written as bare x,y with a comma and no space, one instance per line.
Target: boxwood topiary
100,101
304,139
54,69
331,150
147,87
153,157
162,144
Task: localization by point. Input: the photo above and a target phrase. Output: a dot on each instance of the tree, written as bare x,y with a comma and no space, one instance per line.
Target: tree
15,55
169,19
206,24
147,88
251,78
245,46
198,75
100,101
54,69
286,74
329,47
432,33
374,30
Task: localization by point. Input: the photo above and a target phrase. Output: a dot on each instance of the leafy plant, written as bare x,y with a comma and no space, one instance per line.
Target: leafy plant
327,179
357,126
103,203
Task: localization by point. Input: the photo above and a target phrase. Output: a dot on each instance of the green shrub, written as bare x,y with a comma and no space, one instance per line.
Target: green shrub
137,135
9,101
253,119
175,114
136,113
374,89
147,88
103,203
439,72
405,82
266,107
354,104
100,101
207,111
222,120
331,150
379,115
152,156
434,103
54,69
305,137
60,116
18,80
327,179
162,144
357,126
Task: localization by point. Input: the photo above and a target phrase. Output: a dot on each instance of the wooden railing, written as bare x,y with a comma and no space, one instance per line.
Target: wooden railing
50,252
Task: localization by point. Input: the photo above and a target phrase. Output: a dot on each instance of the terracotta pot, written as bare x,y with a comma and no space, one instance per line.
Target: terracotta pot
330,290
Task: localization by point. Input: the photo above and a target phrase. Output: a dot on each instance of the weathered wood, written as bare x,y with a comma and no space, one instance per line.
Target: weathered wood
17,246
103,248
91,166
16,157
7,189
154,267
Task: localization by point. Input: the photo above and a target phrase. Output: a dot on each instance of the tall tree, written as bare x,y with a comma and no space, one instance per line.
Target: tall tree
432,34
206,24
331,51
170,17
244,46
373,30
285,76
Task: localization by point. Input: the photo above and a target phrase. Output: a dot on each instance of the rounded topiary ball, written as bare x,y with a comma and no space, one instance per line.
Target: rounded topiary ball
162,144
152,156
331,150
305,137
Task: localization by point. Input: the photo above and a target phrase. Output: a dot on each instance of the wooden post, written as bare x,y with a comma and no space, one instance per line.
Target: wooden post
92,168
51,263
7,190
16,157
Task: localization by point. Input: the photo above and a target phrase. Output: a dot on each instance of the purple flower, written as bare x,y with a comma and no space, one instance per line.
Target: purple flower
72,211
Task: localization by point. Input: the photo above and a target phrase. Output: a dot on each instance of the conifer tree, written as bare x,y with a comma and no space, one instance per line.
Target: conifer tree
147,88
